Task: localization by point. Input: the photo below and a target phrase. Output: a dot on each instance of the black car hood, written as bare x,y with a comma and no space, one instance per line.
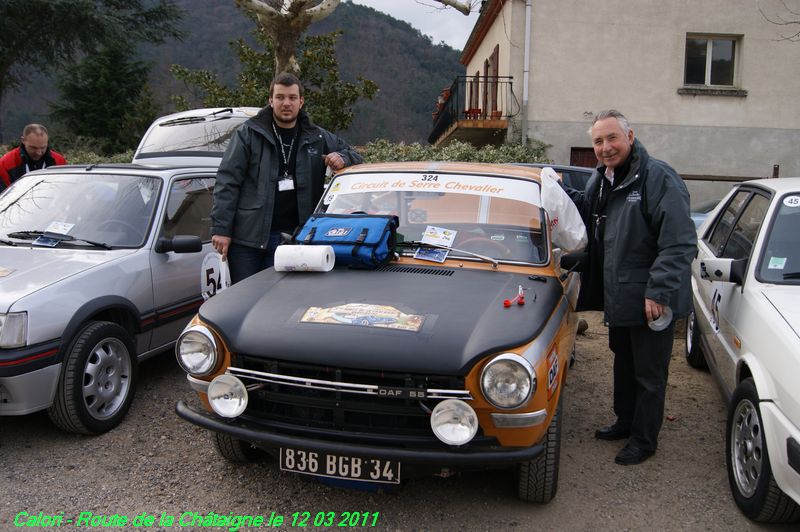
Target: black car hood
463,317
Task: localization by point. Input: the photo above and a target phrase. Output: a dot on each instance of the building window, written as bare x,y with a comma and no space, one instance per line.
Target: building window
710,61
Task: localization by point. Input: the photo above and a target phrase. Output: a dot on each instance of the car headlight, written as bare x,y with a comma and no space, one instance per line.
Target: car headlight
508,381
227,396
196,350
454,422
13,329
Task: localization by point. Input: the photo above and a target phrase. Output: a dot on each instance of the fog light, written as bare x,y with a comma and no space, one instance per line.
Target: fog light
454,422
227,395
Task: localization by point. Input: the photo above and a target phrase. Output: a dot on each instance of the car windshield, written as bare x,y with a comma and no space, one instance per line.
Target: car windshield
204,134
490,216
780,262
109,209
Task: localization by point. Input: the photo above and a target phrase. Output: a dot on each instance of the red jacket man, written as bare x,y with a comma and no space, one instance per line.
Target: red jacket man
33,153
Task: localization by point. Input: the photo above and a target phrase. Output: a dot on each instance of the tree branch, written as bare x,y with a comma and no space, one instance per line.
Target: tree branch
259,7
779,20
462,6
325,8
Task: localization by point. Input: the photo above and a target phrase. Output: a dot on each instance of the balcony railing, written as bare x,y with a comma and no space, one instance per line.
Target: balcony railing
471,101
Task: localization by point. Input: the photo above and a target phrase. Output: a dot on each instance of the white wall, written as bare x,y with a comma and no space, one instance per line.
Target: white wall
590,56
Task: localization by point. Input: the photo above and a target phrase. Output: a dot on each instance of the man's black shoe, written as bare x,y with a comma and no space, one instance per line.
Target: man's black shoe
632,455
614,432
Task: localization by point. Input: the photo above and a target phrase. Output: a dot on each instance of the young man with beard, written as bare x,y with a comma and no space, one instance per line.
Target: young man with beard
270,179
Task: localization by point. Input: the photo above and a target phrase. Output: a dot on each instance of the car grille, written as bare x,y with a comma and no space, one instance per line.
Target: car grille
343,404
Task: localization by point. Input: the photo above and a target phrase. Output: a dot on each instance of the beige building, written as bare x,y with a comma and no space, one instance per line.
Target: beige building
708,85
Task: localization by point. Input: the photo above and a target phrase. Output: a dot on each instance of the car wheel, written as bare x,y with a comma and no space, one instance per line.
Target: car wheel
235,450
749,470
692,349
99,378
538,478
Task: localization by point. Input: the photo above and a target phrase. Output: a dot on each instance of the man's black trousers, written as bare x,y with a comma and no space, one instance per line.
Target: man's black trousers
641,365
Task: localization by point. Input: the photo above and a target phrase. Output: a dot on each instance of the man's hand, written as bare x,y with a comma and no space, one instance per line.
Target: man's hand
652,310
334,160
221,244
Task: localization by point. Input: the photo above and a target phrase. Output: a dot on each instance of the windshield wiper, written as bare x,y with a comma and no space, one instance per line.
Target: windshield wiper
29,235
196,119
25,235
791,275
7,242
182,120
418,243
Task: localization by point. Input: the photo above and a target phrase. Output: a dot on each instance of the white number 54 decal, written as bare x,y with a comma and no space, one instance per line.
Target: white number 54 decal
213,275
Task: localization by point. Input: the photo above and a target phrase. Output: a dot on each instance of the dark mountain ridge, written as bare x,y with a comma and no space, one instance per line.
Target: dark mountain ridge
409,69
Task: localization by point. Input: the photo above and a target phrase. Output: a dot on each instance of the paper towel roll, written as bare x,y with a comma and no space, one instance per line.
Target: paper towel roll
304,258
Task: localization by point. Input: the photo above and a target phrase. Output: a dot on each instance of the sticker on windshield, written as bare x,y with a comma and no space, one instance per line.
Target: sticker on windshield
792,201
46,242
364,315
5,272
776,263
439,236
435,255
62,228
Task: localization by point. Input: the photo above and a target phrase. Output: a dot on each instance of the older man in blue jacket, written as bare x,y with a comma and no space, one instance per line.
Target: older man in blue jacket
641,244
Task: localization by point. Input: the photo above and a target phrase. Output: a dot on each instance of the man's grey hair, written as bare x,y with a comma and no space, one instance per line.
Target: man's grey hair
613,113
35,129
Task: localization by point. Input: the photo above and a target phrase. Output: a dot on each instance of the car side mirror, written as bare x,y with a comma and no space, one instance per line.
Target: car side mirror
179,244
573,262
725,270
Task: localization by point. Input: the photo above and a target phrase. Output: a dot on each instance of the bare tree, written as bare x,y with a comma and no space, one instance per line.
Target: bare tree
286,21
463,6
785,16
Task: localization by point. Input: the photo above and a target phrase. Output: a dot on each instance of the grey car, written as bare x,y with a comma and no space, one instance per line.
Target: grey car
100,268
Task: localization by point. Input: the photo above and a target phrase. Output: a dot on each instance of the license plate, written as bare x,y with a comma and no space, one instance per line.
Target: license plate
323,464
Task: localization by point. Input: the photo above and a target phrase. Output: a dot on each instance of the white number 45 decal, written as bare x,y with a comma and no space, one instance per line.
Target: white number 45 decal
715,301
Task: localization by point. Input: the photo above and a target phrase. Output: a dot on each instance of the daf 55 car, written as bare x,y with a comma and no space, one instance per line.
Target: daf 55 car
468,374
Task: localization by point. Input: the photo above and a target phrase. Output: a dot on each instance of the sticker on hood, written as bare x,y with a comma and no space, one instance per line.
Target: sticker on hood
364,315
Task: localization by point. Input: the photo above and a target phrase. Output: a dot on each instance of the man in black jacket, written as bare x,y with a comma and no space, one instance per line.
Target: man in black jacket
270,179
641,244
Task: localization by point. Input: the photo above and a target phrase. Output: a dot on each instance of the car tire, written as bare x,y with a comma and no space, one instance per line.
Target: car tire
692,348
538,478
98,381
749,471
235,450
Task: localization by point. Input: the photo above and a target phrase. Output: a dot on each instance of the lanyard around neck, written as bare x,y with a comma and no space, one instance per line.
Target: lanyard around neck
279,138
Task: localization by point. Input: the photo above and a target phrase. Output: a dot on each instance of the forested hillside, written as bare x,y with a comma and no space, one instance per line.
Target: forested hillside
409,69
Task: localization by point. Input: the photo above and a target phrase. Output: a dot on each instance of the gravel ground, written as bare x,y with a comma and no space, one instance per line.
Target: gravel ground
155,463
